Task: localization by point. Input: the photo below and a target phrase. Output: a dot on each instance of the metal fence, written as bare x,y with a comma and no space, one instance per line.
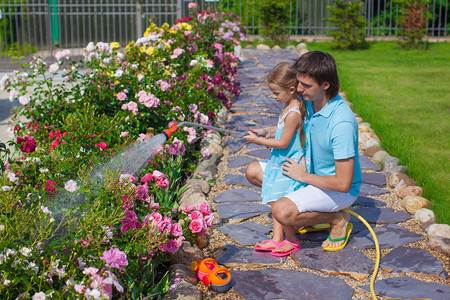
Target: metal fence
30,26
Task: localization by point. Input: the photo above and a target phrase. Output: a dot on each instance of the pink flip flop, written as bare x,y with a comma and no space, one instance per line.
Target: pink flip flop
285,253
259,248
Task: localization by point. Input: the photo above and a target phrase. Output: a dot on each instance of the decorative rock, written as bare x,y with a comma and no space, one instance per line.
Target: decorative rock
193,199
187,254
439,238
209,164
364,128
370,143
183,271
368,190
390,166
302,51
237,195
232,255
414,203
335,263
395,178
301,46
198,185
288,284
425,217
184,291
388,236
365,136
262,47
413,260
276,47
442,230
409,191
241,210
359,120
239,179
384,215
366,163
409,288
379,156
239,161
292,47
404,183
370,151
376,179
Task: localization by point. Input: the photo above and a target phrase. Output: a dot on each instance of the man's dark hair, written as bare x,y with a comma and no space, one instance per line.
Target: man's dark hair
321,67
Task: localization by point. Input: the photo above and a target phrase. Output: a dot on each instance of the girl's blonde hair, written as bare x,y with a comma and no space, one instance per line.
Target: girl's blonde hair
285,76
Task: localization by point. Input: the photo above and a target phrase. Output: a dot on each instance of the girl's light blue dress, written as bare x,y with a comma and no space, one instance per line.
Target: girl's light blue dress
276,185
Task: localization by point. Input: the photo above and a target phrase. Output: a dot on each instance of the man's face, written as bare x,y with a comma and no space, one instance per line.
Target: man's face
310,89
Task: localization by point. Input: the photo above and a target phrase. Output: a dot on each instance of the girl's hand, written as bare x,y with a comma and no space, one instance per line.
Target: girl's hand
260,132
251,137
296,171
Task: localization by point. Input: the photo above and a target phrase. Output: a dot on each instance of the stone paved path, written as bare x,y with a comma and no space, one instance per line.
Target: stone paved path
408,269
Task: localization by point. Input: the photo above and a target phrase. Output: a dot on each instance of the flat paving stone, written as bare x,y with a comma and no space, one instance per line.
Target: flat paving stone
234,145
288,284
237,195
335,262
410,288
233,255
380,215
239,161
376,179
257,227
241,210
369,190
366,163
255,146
320,236
239,179
268,121
413,260
364,201
261,153
388,236
246,234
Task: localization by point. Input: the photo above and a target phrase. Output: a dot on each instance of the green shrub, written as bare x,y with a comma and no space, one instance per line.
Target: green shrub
349,32
274,18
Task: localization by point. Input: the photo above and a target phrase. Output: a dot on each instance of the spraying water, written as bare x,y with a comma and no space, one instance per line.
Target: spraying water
130,161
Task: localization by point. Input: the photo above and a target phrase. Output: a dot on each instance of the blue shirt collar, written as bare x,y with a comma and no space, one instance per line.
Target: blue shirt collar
329,107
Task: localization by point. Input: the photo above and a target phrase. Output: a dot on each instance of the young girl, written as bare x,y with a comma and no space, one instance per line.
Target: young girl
286,140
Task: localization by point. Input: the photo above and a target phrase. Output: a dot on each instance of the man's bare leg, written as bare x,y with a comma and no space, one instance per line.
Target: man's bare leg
254,173
286,212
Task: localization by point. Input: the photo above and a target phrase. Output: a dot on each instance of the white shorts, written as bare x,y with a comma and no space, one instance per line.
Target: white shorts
263,164
311,198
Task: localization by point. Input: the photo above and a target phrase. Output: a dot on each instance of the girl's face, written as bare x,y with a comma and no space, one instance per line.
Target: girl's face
282,95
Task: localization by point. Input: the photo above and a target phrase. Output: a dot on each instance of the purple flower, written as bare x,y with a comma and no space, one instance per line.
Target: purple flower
115,258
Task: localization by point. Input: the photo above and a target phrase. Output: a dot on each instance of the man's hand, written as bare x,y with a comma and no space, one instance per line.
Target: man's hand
296,171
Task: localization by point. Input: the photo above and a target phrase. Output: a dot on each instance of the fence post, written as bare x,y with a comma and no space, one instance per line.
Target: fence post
138,20
179,9
54,22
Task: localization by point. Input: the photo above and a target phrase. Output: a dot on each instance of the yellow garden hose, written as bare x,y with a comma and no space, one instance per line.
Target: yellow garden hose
377,249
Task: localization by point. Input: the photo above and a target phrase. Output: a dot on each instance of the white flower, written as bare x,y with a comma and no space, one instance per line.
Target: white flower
54,68
71,186
52,220
90,47
94,293
13,94
118,73
42,170
2,227
12,177
193,62
205,153
6,282
24,100
25,251
39,296
6,188
45,210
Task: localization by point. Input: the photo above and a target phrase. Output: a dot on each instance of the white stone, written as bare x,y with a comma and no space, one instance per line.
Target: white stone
442,230
371,143
425,217
414,203
262,47
379,155
301,46
276,47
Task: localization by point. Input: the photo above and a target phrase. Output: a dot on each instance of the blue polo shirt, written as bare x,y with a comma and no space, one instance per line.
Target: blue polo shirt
333,135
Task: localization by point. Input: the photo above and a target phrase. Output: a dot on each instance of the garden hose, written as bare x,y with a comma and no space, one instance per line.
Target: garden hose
377,249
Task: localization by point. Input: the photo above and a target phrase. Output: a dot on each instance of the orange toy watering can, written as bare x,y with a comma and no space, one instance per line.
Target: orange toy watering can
209,272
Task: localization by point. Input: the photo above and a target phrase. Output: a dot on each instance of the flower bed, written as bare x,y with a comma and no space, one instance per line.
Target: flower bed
63,231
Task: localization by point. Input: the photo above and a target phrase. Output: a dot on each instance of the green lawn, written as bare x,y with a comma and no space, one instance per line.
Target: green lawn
405,96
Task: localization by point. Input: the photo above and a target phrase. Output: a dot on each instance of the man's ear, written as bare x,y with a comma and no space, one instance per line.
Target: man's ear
326,85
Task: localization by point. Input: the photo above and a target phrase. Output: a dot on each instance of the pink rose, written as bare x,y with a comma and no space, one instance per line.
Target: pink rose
158,175
188,208
121,96
124,133
176,230
147,178
204,208
132,105
196,225
172,246
115,258
195,215
192,5
209,219
163,183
